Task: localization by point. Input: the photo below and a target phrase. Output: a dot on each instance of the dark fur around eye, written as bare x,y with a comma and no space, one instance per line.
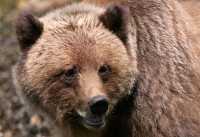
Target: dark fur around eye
70,75
104,72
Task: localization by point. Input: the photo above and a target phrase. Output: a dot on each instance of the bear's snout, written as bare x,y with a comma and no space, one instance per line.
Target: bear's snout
98,105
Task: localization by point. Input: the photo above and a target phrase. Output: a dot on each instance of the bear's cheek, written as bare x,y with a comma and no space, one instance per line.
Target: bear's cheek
58,98
114,90
118,86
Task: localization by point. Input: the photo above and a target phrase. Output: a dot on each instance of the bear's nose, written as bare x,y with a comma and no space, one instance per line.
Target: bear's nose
98,105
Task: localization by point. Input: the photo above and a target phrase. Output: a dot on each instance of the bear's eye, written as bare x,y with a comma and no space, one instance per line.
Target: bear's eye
104,72
70,75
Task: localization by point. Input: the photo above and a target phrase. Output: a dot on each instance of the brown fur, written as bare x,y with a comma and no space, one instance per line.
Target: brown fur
76,35
168,60
193,8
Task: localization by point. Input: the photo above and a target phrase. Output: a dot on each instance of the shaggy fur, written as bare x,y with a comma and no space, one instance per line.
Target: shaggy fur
168,54
155,40
79,35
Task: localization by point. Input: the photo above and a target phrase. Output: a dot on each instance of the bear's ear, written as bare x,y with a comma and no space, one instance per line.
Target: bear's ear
28,29
116,18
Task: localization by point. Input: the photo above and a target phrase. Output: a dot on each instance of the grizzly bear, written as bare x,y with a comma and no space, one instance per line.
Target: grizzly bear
131,69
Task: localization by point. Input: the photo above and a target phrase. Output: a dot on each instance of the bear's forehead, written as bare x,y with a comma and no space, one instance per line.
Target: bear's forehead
73,40
58,49
94,45
69,19
90,49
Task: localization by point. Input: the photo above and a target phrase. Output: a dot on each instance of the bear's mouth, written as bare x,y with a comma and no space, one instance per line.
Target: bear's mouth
90,121
94,123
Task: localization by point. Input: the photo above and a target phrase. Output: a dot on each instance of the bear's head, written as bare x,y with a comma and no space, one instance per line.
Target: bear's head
76,63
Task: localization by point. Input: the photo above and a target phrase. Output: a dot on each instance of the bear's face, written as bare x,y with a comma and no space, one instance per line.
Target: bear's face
77,72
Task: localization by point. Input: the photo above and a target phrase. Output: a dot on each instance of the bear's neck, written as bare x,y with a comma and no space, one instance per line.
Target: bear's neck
120,124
